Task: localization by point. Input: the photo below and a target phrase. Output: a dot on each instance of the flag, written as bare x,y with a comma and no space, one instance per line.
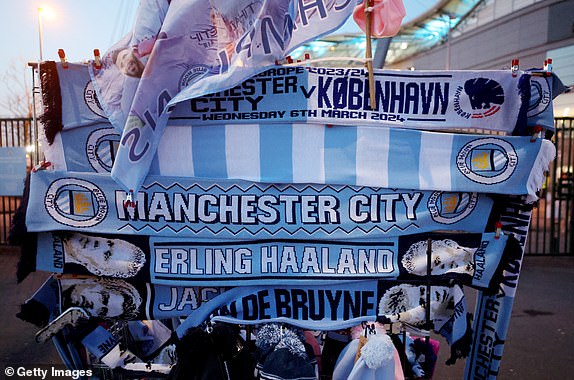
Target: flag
204,47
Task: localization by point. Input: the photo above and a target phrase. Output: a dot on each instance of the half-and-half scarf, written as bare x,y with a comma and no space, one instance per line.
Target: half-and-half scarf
225,210
469,259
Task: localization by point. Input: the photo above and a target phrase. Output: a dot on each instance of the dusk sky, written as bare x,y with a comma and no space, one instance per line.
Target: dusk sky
78,27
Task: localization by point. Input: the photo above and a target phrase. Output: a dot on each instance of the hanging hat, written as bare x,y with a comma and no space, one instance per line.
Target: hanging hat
289,360
377,360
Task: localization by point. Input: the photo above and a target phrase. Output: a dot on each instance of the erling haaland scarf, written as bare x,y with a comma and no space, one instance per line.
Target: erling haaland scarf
469,259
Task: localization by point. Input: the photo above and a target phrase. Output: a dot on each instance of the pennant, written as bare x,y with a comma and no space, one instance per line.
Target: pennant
469,259
243,210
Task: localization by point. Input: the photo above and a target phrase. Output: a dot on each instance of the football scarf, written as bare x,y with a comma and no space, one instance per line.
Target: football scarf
313,153
401,103
469,259
493,310
362,156
338,306
243,210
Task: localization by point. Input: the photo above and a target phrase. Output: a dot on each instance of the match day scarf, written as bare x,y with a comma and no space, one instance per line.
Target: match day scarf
243,210
468,259
362,156
493,311
333,96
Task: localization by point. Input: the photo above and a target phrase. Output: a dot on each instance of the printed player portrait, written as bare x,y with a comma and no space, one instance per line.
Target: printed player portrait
103,256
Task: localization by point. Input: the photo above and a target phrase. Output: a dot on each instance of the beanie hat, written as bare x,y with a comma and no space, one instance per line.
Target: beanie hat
377,360
288,361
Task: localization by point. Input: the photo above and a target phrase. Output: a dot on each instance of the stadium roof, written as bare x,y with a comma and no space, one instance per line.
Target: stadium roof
430,29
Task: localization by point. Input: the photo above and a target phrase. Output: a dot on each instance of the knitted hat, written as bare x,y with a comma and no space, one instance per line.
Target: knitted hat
377,360
289,360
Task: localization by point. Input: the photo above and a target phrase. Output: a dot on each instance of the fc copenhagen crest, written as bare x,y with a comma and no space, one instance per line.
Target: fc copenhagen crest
101,148
487,161
479,98
451,207
76,202
92,101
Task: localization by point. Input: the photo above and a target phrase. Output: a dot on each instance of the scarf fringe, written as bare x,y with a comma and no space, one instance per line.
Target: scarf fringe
546,154
51,99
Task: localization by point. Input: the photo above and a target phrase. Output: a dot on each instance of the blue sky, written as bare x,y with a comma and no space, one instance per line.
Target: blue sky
78,27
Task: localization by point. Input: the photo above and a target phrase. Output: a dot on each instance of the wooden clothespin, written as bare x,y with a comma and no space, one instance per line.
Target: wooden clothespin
514,67
97,59
369,52
63,59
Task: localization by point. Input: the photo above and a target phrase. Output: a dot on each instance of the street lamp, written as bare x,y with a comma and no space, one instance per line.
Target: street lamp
40,11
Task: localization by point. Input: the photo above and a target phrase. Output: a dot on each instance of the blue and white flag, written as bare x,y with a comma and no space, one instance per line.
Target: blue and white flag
232,210
208,46
469,259
117,80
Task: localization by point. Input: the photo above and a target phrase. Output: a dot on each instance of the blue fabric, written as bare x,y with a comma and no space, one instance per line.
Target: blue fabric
190,208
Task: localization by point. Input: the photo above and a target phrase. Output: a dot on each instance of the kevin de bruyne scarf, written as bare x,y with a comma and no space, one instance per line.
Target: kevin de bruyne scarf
314,307
469,259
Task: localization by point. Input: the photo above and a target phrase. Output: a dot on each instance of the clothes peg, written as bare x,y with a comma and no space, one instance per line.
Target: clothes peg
536,133
369,52
289,59
514,67
97,59
63,59
498,226
41,166
548,64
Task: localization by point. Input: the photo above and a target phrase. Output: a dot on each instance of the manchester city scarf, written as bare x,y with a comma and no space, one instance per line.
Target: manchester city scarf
493,311
312,153
362,156
405,102
243,210
469,259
